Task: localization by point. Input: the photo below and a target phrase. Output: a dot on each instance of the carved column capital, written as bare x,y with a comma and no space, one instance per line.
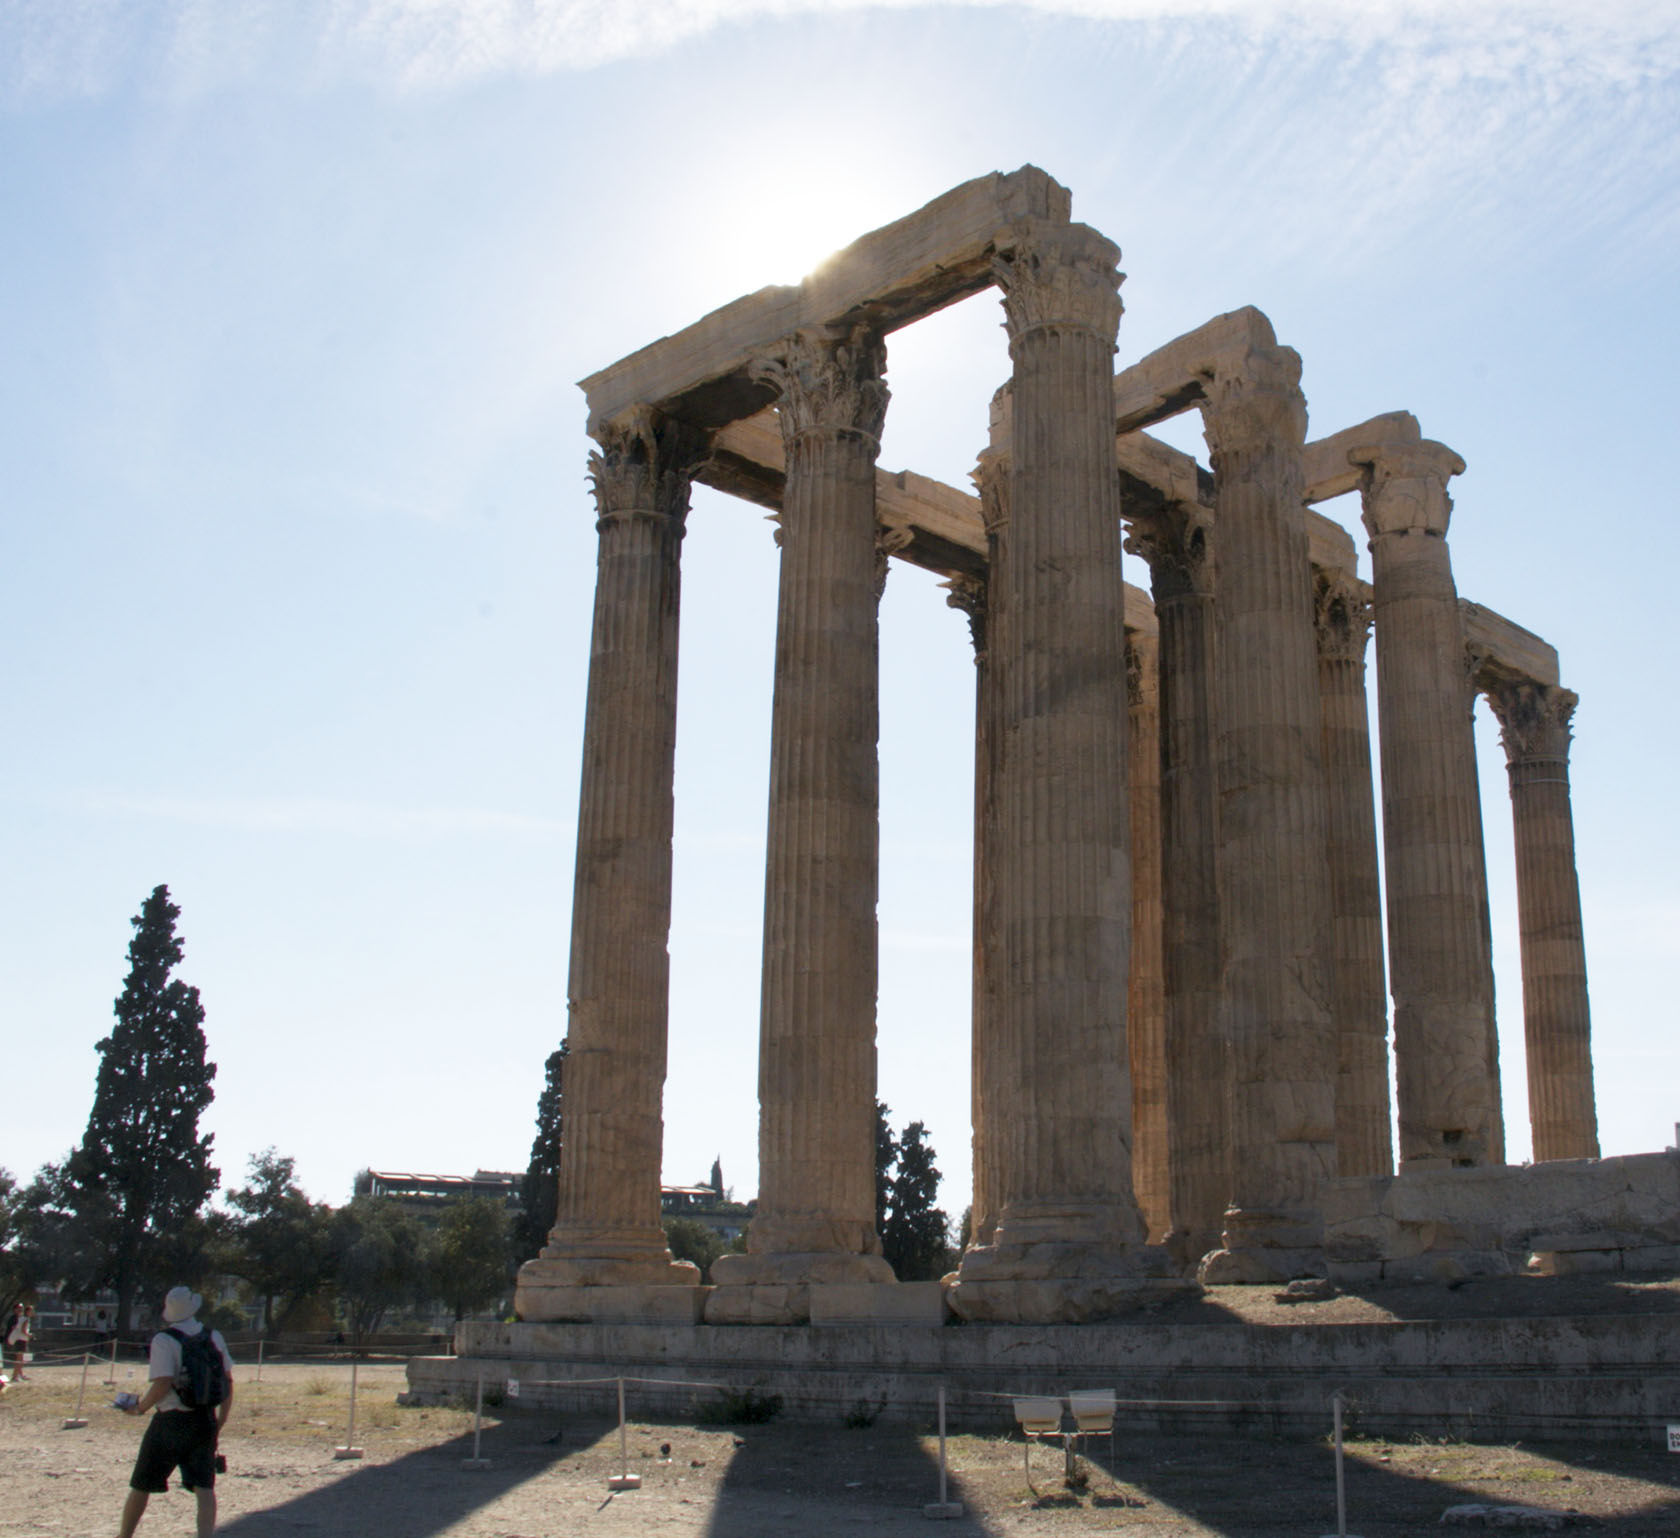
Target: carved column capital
1141,686
1534,719
968,593
1059,277
1404,488
1341,615
645,466
888,543
991,479
1255,405
828,381
1174,541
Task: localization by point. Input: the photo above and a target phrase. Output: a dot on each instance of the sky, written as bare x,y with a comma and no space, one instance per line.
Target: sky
299,554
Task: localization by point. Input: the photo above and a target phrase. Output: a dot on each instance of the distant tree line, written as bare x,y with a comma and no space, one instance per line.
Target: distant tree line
128,1211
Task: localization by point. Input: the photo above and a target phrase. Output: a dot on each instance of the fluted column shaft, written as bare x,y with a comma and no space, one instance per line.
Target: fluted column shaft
1274,906
991,1088
1534,720
1440,943
1146,1025
608,1223
1364,1143
817,1030
1062,884
1175,542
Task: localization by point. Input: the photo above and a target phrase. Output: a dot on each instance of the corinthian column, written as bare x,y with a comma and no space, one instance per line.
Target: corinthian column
1363,1140
607,1230
969,595
816,1073
1439,938
1146,1025
1274,908
1068,1227
1175,542
1534,726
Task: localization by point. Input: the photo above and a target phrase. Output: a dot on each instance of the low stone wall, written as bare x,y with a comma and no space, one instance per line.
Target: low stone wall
1560,1218
1489,1379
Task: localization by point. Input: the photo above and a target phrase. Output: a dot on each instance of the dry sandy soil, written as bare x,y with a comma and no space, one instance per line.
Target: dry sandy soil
548,1475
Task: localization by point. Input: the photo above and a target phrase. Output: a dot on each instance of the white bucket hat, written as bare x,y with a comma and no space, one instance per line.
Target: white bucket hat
180,1303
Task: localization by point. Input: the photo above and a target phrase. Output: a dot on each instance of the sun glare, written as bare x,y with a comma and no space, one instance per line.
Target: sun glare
795,219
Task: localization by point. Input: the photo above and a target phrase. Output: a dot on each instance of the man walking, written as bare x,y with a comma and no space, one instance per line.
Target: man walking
192,1391
17,1338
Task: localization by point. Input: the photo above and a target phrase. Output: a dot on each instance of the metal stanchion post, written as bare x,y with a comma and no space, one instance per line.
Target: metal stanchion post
943,1507
260,1344
1336,1402
75,1422
624,1480
350,1450
477,1462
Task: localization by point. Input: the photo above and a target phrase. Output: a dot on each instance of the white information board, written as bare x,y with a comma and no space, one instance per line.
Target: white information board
1674,1439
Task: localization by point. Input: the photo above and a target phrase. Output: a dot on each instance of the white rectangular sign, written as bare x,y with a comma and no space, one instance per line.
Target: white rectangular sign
1674,1439
513,1393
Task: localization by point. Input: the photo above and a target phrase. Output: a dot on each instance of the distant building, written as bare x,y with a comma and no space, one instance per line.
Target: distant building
708,1204
421,1194
426,1193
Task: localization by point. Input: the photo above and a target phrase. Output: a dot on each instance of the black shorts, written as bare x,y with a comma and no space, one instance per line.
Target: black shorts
177,1439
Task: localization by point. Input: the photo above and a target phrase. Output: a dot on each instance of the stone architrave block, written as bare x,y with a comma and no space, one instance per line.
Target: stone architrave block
878,1303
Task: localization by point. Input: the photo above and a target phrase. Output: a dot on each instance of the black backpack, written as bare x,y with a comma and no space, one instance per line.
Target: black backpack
201,1383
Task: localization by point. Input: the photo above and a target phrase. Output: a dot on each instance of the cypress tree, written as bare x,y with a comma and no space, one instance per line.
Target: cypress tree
539,1191
143,1173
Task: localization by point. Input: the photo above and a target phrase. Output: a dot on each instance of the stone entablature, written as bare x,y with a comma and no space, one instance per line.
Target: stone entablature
1179,961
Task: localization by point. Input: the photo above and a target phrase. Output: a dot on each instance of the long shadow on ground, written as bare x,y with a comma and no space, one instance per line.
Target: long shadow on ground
823,1479
419,1494
1251,1487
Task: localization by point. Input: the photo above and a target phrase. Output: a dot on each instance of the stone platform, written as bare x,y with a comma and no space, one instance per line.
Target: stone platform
1606,1372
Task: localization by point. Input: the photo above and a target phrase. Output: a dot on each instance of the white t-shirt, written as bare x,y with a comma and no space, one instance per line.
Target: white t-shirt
166,1358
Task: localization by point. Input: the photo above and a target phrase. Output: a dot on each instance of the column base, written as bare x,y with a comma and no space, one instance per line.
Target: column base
1263,1248
536,1303
1063,1282
550,1282
776,1289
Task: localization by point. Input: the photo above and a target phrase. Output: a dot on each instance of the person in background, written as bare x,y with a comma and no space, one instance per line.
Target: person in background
17,1339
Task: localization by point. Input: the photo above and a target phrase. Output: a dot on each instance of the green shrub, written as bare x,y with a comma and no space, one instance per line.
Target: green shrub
738,1407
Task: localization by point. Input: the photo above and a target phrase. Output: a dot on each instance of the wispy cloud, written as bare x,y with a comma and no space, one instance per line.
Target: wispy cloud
359,819
56,49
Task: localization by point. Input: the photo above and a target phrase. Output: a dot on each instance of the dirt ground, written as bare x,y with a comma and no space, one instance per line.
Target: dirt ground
549,1472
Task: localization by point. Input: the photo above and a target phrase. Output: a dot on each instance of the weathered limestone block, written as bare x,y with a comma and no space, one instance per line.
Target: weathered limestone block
607,1230
1274,906
760,1303
816,1207
1361,1010
1440,945
1146,1022
1534,727
1063,1300
889,1303
618,1304
1062,883
1497,1216
892,276
1176,541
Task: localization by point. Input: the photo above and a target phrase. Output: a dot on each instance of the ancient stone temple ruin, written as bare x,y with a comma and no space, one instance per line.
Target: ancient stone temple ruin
1180,1047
